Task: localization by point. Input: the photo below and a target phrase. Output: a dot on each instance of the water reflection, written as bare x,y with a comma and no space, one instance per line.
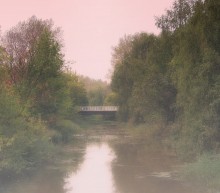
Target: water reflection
95,173
139,168
108,164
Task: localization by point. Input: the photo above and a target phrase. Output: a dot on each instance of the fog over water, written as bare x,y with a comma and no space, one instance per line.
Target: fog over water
106,164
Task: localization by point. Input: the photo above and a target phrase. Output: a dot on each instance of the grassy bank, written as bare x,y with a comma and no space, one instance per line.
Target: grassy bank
200,170
204,172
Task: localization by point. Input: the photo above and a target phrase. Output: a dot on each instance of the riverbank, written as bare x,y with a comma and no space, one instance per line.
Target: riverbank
136,150
120,161
201,171
204,172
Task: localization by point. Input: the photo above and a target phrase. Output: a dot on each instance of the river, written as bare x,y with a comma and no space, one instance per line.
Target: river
106,162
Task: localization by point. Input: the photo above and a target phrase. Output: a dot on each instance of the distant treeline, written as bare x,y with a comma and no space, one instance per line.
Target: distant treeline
173,79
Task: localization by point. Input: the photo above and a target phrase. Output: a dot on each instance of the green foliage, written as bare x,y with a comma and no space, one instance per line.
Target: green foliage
26,151
36,68
97,91
66,128
177,16
96,97
78,91
140,79
111,99
37,71
173,78
195,75
23,144
36,92
44,80
20,44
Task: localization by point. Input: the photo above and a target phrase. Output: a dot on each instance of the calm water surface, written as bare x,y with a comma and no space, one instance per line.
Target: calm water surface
106,164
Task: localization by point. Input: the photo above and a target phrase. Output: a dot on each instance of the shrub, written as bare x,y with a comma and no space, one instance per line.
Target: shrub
26,151
24,144
66,128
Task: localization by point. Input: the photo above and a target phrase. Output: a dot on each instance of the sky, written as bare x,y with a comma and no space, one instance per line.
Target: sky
91,28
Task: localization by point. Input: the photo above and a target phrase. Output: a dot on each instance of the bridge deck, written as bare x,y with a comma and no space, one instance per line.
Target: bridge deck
98,109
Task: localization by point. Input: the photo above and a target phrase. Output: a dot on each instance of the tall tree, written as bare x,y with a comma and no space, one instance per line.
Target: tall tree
121,77
140,80
195,74
36,63
20,44
177,16
44,80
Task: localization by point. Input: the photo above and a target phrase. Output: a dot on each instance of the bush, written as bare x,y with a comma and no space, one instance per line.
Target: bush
26,151
66,128
24,144
193,138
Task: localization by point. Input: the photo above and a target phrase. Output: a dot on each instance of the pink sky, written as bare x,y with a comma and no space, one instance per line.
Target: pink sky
90,27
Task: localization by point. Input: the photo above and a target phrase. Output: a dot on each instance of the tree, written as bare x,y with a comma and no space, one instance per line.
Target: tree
121,80
76,89
140,79
96,90
111,99
20,43
177,16
44,75
36,63
195,73
4,61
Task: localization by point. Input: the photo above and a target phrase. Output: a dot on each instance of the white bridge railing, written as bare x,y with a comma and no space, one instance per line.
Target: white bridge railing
98,108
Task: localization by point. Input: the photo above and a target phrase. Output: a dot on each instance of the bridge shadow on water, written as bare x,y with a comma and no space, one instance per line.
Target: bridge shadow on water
99,112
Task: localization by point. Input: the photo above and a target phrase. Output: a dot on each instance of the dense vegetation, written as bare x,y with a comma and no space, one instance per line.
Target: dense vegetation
38,95
171,81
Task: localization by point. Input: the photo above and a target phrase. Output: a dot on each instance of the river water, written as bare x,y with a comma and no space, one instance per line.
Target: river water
106,163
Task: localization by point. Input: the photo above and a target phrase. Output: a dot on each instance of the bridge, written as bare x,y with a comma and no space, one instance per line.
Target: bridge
98,110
